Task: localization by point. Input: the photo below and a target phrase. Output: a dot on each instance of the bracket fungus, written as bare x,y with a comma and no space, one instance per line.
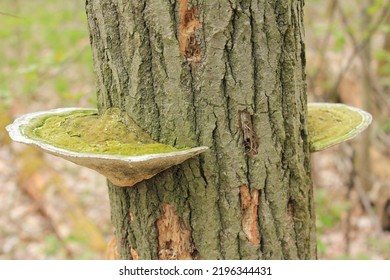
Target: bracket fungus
111,144
332,123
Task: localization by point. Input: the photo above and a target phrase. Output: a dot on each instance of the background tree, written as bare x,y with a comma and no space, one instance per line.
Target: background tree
228,75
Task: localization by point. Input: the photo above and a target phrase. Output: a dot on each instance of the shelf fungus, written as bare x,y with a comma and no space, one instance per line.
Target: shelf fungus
111,144
330,124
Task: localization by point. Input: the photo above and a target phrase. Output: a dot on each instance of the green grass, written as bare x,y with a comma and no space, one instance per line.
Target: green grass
45,53
329,213
328,210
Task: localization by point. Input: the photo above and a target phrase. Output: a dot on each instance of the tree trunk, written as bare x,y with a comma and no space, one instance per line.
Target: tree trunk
226,74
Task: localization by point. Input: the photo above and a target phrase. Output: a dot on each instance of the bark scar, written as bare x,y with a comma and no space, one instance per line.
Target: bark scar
112,252
249,205
250,140
189,23
134,254
174,237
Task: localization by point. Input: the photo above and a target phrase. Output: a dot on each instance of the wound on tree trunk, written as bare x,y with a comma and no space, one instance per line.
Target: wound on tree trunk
188,25
249,204
174,237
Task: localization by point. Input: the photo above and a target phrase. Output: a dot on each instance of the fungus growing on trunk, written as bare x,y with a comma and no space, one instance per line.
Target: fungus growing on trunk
111,144
330,124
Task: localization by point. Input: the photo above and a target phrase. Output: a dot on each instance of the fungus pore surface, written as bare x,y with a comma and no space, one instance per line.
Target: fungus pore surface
84,131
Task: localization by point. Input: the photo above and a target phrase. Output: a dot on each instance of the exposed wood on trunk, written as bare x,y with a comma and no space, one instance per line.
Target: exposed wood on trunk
249,204
174,237
112,252
134,254
189,23
250,140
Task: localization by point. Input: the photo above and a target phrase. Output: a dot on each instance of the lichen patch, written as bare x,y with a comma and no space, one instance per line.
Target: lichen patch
174,237
249,205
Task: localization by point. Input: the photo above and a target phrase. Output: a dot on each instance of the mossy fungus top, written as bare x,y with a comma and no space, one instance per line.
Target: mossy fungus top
111,144
330,124
83,131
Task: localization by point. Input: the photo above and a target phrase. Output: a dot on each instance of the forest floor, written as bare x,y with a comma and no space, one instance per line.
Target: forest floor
345,230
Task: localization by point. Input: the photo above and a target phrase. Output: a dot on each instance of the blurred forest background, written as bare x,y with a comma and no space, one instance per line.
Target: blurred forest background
52,209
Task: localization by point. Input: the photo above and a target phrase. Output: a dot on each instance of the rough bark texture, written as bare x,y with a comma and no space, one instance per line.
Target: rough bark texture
227,74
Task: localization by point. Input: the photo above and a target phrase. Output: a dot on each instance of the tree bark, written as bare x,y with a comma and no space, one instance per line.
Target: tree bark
226,74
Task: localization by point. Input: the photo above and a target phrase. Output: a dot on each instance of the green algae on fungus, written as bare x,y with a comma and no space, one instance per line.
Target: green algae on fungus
330,124
111,144
83,131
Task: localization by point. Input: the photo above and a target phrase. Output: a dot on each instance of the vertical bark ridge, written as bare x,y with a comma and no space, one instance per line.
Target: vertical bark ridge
267,168
294,153
143,104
